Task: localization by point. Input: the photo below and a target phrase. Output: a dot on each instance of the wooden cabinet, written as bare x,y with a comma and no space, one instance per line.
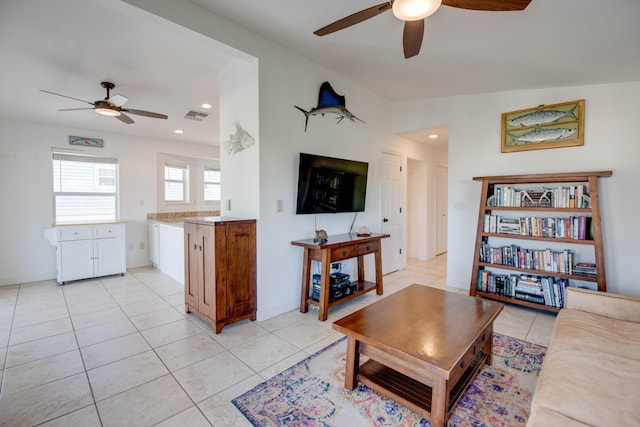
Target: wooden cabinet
85,251
220,269
539,228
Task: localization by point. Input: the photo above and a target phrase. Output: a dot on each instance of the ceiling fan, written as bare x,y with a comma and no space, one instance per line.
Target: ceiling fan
413,13
111,106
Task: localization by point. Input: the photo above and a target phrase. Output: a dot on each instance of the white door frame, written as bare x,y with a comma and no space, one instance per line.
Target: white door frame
442,189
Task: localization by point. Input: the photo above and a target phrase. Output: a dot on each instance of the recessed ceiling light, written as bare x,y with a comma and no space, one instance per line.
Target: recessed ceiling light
433,136
178,131
206,106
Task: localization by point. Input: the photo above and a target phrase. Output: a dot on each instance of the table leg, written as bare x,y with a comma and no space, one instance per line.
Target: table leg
360,268
488,346
304,292
353,364
324,284
378,257
439,402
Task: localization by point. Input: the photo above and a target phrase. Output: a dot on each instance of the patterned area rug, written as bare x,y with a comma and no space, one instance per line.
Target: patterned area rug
311,393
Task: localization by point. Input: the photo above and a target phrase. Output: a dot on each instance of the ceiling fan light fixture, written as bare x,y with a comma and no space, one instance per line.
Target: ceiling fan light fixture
106,111
413,10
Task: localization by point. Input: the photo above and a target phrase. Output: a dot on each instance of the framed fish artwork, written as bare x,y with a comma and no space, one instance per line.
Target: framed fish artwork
543,127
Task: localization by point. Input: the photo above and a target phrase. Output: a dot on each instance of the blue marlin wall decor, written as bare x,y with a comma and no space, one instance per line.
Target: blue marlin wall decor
328,102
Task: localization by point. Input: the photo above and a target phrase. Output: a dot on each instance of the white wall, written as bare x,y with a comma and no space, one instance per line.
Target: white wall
287,79
195,184
240,170
26,185
611,143
422,167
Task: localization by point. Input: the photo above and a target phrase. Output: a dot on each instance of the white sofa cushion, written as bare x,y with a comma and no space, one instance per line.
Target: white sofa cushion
591,373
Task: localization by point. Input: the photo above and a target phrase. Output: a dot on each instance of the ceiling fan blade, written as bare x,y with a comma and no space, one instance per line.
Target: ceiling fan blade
65,96
118,100
145,113
488,5
412,37
124,118
356,18
75,109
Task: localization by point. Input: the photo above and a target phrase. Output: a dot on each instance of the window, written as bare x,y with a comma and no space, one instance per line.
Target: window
85,187
211,185
175,183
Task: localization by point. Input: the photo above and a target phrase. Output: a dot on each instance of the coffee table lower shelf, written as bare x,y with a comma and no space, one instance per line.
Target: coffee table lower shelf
410,393
363,287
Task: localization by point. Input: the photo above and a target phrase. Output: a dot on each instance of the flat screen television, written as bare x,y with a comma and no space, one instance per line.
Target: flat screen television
330,185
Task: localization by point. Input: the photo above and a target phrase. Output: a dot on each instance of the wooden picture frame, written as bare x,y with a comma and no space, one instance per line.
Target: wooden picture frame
543,127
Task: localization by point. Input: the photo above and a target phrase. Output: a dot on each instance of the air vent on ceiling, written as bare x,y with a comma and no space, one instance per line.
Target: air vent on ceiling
196,115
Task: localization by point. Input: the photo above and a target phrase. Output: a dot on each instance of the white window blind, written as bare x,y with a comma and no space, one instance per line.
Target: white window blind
211,184
175,182
85,187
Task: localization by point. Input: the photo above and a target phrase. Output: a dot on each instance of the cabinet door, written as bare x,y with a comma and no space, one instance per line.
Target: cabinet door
241,269
153,237
200,273
192,265
207,298
110,256
171,256
75,260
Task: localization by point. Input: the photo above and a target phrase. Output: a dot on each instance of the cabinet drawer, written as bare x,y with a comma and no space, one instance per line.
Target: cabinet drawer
482,340
108,230
343,253
79,232
367,248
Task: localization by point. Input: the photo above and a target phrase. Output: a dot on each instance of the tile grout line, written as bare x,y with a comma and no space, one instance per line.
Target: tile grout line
6,350
86,373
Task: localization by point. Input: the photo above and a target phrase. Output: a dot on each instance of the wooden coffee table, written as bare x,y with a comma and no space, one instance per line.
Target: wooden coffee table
424,347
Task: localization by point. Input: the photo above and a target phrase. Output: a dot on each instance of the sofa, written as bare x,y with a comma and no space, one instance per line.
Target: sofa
591,373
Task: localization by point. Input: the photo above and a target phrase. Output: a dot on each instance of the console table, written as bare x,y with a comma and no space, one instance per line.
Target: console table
338,248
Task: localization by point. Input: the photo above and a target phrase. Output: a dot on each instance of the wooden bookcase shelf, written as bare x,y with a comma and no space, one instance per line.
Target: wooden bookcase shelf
589,181
542,239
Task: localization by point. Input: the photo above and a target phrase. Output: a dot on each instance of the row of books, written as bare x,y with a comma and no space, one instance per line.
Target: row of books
573,196
573,227
585,269
538,289
533,259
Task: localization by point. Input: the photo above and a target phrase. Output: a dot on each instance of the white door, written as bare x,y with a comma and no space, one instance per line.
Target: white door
391,213
76,260
110,256
441,209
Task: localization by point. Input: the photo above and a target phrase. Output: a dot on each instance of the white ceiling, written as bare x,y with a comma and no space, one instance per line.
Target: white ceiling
70,46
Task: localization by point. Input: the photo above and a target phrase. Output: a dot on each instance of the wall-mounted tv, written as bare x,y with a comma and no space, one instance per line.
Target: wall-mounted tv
330,185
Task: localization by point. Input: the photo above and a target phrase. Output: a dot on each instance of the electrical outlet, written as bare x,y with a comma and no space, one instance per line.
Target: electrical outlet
141,245
336,265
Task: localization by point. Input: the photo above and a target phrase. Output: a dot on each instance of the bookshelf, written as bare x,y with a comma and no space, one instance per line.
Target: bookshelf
536,234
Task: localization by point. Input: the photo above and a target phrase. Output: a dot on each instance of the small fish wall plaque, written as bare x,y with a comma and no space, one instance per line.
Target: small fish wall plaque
239,141
542,127
329,102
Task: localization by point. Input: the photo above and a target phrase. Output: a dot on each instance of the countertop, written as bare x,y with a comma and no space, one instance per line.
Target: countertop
209,220
176,219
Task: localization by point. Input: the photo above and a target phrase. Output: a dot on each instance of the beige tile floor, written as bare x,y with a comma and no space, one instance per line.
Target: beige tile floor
120,351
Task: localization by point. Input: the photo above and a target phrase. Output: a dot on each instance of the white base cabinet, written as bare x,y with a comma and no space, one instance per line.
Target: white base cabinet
153,231
166,248
85,251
